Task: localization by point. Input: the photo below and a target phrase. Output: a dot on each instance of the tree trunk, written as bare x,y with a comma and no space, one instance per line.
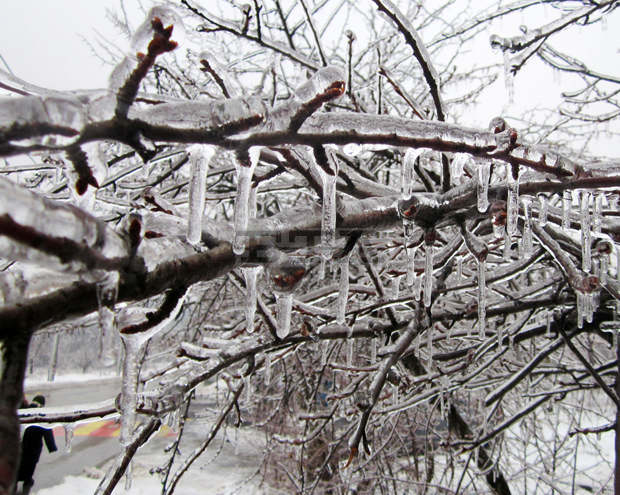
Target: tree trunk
13,355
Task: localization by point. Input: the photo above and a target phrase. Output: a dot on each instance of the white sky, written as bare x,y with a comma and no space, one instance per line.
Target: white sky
43,42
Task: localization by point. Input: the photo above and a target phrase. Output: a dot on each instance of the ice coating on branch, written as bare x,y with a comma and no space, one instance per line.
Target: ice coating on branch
586,233
482,297
482,185
66,113
343,290
68,437
527,239
543,210
250,274
53,234
121,73
366,124
144,33
199,157
322,80
512,213
245,171
199,113
217,71
428,269
566,206
284,304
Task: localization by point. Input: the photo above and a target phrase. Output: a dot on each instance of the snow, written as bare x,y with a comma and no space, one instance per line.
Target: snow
230,464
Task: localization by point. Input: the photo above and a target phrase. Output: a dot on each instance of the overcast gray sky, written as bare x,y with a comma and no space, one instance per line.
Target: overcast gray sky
42,41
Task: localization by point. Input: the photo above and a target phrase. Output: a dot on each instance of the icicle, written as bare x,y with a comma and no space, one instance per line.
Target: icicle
566,206
444,397
527,240
457,164
484,175
199,158
411,276
586,234
322,264
373,351
580,308
350,352
395,288
482,296
107,290
51,371
284,302
328,219
407,173
597,213
267,374
507,252
542,212
549,322
428,267
250,274
512,180
589,306
417,290
343,290
395,394
129,476
129,388
429,346
416,344
459,267
242,200
68,437
604,268
509,77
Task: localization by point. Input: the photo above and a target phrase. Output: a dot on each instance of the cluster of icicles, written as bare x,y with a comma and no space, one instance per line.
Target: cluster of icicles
590,216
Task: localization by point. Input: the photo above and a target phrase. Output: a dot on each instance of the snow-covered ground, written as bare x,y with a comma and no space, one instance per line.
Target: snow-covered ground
230,465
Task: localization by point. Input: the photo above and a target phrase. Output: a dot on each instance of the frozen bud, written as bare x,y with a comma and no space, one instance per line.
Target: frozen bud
497,125
144,34
322,80
350,35
246,8
285,274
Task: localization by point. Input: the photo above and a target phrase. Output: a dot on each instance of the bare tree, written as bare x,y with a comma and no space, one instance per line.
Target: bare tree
305,212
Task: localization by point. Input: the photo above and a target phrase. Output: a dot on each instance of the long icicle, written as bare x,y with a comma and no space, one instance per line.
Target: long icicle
429,240
482,296
512,181
245,171
586,233
250,274
482,185
200,156
343,290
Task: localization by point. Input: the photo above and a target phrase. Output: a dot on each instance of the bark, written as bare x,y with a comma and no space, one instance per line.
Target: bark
13,355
